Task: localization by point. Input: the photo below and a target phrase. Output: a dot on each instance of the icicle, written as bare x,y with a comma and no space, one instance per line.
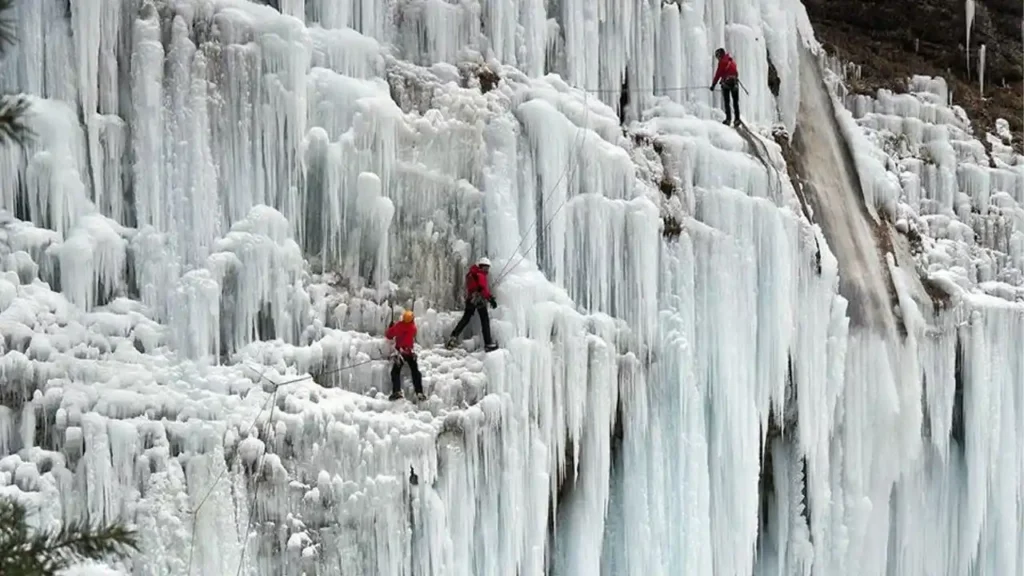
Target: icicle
92,262
375,214
147,120
969,23
257,265
981,70
249,192
295,8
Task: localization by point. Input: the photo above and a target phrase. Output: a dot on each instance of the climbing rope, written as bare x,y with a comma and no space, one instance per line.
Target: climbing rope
256,489
271,402
575,150
506,269
517,257
645,90
328,372
202,501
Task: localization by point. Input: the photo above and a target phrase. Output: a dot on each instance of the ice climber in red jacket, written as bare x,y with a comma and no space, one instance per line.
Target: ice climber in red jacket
730,78
403,335
478,295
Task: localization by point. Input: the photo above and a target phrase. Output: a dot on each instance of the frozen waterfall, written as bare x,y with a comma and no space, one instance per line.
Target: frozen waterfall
791,349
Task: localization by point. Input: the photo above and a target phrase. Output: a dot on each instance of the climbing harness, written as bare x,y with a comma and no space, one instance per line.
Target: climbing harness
505,270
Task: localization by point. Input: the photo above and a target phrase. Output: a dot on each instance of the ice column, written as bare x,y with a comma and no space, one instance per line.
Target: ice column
981,70
147,121
375,213
968,23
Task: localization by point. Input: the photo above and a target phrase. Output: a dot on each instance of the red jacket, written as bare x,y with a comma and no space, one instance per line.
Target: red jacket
726,69
404,335
476,281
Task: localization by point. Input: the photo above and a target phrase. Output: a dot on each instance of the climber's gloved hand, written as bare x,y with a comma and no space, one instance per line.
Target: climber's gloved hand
494,303
712,88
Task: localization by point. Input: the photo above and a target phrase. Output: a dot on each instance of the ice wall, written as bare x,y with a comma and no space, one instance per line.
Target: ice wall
959,208
228,202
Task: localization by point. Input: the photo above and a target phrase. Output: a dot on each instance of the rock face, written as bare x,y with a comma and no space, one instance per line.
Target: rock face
892,40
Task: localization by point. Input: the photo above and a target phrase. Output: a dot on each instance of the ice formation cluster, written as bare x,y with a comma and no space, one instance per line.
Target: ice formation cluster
788,349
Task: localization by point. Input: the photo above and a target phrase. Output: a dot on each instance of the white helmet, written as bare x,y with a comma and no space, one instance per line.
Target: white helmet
483,261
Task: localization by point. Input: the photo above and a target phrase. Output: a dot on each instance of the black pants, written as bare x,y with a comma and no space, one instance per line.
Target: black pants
485,320
731,91
396,373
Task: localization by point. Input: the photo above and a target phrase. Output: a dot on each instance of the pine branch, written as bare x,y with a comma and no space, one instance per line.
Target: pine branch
12,514
27,557
13,111
80,540
8,26
47,553
16,554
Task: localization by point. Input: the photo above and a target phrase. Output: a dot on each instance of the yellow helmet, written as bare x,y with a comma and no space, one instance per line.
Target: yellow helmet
407,316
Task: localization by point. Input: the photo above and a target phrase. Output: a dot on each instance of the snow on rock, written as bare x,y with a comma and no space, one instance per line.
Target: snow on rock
960,208
229,202
962,196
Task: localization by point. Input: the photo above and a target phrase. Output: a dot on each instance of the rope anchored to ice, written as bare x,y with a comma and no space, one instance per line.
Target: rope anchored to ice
569,166
271,402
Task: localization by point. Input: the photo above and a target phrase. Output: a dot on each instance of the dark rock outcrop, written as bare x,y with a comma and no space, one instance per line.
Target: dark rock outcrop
893,40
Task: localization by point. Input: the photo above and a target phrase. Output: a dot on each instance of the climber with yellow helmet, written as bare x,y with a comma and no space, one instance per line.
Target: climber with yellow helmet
403,335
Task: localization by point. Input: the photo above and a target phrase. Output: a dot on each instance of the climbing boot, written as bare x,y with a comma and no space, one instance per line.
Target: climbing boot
421,397
727,122
490,347
396,395
451,343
